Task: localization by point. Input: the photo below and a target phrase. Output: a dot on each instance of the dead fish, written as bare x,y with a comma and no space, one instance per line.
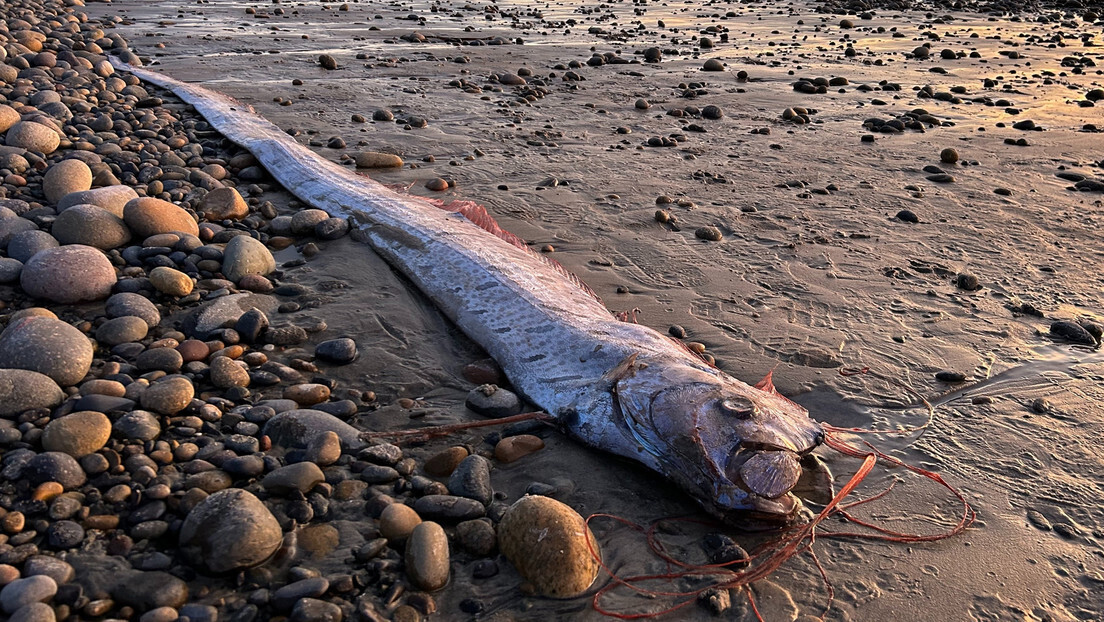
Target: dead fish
617,386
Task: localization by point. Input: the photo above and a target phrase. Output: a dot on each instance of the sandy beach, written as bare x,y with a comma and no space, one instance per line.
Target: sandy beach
731,172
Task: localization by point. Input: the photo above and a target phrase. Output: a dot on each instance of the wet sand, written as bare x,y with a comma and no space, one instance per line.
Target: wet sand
814,273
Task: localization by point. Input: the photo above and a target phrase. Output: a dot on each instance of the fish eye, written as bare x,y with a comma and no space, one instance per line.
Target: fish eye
740,407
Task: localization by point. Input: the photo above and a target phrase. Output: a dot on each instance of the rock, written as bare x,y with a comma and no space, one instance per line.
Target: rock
948,156
477,536
65,177
126,329
226,373
315,610
374,159
301,476
47,346
245,255
472,479
77,434
149,590
448,508
68,274
22,390
57,569
168,360
710,234
10,269
493,401
307,394
171,281
23,245
224,204
444,462
65,534
304,221
169,395
1063,329
340,351
398,521
547,542
137,425
230,530
148,216
111,198
32,136
286,597
298,428
513,448
128,304
967,281
224,312
8,117
324,449
53,466
713,64
251,324
427,556
34,612
327,61
23,592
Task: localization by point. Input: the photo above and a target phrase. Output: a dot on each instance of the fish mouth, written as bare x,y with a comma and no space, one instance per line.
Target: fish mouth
766,474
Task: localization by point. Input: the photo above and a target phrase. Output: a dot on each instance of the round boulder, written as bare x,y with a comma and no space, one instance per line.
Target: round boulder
148,216
47,346
230,530
427,556
224,204
77,434
169,395
127,303
22,390
68,274
110,198
91,226
8,117
65,177
547,542
33,137
245,255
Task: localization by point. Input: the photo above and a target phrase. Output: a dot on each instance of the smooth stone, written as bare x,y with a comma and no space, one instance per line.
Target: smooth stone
126,329
427,556
514,448
472,479
307,394
230,530
10,269
397,521
331,228
168,396
546,541
226,373
34,612
285,598
304,221
224,204
129,304
224,312
171,281
301,476
68,274
23,245
77,434
8,117
12,225
298,428
32,136
110,198
104,403
47,346
66,177
445,461
477,536
448,508
137,425
23,592
341,351
315,610
375,159
491,400
150,590
168,360
245,255
324,449
22,390
65,534
53,466
148,216
57,569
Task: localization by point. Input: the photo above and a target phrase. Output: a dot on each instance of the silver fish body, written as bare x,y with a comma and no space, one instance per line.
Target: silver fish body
617,386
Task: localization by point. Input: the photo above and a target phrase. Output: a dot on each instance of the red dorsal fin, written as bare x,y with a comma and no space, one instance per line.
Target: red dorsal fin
477,215
767,383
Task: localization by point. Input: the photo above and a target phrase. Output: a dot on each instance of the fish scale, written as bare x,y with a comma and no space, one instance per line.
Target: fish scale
556,342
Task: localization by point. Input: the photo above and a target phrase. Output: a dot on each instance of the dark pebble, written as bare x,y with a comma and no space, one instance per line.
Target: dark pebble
950,376
1072,332
907,215
340,351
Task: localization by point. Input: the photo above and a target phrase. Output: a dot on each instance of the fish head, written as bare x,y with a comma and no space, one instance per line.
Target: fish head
734,447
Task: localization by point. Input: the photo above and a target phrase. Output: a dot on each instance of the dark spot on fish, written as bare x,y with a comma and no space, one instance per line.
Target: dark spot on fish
568,417
503,329
388,232
534,358
543,328
563,378
485,286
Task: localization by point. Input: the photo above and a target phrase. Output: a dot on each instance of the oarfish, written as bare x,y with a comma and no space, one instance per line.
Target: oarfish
614,385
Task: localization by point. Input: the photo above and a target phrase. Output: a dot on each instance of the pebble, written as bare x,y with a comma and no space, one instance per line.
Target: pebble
169,395
170,281
304,221
1062,329
226,373
713,64
47,346
307,394
32,136
711,234
546,541
948,156
168,360
907,215
437,184
285,598
301,476
327,62
444,462
150,590
477,536
427,556
472,479
448,508
22,592
230,530
34,612
491,400
340,351
77,434
245,255
110,198
224,204
68,274
514,448
54,466
137,425
299,427
968,282
148,216
22,390
324,449
128,304
8,117
950,376
315,610
375,159
126,329
66,177
397,521
91,226
23,245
